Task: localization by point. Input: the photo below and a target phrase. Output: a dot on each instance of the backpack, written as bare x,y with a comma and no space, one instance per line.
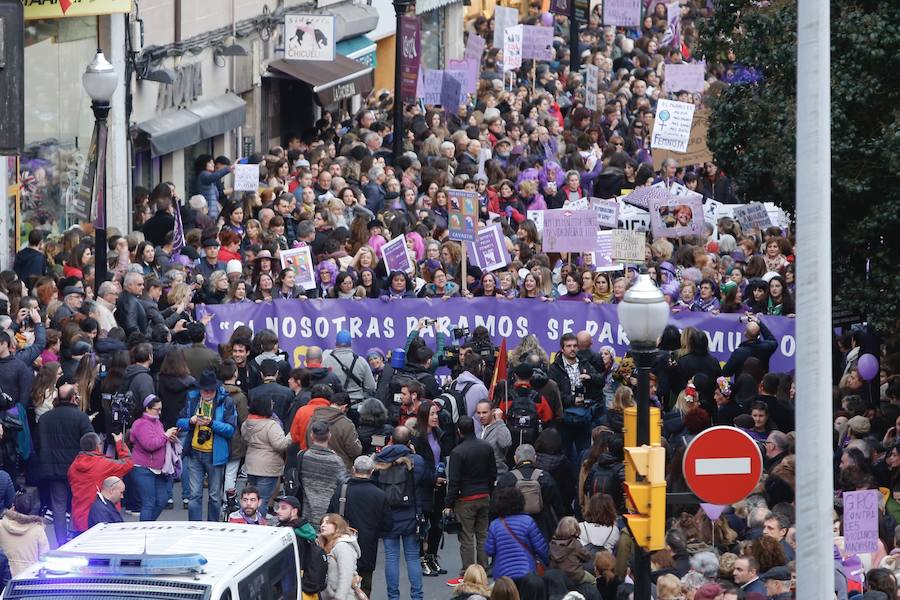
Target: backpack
398,378
523,421
602,479
454,400
315,569
531,489
398,485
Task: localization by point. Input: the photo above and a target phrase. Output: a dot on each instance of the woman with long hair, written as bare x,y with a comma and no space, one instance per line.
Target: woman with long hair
345,287
433,445
340,546
265,290
173,384
44,389
206,179
474,585
780,300
237,292
79,257
266,443
148,441
756,296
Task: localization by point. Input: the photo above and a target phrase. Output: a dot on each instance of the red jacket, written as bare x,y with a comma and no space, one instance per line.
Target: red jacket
86,475
301,420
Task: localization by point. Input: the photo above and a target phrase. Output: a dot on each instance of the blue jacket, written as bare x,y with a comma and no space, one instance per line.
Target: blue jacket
205,184
404,517
510,558
103,511
223,424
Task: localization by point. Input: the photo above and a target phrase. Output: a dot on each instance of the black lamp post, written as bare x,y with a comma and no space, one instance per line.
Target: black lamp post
100,81
400,7
644,315
574,52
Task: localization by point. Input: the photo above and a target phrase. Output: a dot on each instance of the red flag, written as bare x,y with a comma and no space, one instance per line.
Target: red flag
499,368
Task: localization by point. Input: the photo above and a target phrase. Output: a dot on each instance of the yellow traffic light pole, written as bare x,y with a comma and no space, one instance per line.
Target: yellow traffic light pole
645,474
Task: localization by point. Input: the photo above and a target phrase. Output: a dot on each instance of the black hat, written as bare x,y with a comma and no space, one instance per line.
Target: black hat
290,501
208,380
524,371
780,573
209,242
71,289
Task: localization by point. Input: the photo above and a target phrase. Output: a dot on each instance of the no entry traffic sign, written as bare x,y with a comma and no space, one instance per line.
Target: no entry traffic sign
722,465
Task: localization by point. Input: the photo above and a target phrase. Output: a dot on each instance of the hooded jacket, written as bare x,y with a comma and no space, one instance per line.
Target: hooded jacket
60,434
367,511
139,382
341,569
173,393
266,443
223,424
22,539
344,439
324,376
86,477
569,556
302,418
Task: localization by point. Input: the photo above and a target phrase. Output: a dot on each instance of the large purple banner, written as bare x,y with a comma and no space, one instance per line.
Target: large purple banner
410,53
385,325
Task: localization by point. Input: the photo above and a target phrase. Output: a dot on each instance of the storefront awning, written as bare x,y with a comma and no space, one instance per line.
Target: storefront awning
360,48
178,128
331,81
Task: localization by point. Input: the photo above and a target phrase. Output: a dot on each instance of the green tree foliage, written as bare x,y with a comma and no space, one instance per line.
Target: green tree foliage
753,128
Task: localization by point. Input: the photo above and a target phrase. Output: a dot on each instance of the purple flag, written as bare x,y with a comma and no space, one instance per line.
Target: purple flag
410,53
672,36
178,238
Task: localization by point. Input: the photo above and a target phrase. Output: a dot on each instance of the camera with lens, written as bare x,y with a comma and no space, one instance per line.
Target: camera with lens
459,333
121,407
578,392
204,435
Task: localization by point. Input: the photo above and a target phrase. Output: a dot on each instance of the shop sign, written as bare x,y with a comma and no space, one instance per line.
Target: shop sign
57,9
187,88
309,37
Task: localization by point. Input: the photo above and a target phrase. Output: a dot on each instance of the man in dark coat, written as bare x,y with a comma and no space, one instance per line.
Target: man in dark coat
758,343
104,509
130,313
580,385
281,396
60,432
30,261
552,505
367,510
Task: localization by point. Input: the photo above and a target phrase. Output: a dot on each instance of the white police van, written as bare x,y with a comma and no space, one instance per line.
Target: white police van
166,560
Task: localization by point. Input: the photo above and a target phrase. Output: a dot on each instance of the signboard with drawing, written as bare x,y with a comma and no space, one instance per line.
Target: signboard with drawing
697,150
672,125
489,251
300,260
462,215
512,48
309,37
676,217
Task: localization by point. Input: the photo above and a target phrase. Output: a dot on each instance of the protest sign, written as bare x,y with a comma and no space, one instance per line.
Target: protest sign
410,57
622,13
752,216
560,7
570,230
591,83
676,216
688,77
512,48
537,216
462,215
395,256
628,246
309,37
451,93
432,85
603,256
300,324
466,70
300,259
641,197
504,18
607,212
777,215
580,204
711,211
697,151
672,125
489,251
633,218
861,521
246,178
537,42
474,48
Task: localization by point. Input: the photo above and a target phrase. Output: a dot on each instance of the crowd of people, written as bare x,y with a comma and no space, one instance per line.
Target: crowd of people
111,392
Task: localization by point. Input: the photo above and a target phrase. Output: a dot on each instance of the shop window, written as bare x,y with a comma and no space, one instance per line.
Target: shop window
58,119
433,38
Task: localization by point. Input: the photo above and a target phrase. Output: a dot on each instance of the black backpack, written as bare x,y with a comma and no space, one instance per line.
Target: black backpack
522,420
398,379
454,399
315,568
398,485
605,479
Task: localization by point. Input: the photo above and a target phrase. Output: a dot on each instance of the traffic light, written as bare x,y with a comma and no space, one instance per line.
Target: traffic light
645,483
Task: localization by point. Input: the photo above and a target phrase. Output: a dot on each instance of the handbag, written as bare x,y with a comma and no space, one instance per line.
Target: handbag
577,415
359,593
538,565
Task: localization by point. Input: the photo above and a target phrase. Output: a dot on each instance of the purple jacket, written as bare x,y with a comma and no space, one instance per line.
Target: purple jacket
148,442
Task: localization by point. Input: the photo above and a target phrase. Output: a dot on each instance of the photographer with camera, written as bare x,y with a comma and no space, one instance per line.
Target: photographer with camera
758,343
580,386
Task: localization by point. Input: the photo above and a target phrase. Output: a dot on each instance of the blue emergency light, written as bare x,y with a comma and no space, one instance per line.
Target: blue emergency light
63,561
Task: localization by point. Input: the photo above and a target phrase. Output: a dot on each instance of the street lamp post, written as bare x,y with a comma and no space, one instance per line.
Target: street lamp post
100,81
574,45
397,145
644,315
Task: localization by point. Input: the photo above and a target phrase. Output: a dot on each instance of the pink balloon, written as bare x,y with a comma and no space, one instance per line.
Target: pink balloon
867,367
546,19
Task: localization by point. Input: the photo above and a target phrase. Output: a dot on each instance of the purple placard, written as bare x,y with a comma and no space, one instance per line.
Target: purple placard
622,13
432,85
861,521
489,251
378,324
570,230
537,42
461,71
462,215
560,7
689,77
641,197
474,48
410,56
676,216
395,256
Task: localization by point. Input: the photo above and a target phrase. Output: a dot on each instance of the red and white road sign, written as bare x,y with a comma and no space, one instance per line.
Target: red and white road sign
722,465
